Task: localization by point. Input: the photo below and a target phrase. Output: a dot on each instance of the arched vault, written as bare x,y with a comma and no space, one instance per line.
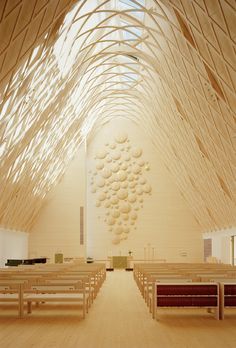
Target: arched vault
67,67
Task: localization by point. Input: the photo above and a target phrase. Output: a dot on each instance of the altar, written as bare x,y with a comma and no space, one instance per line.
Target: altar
120,262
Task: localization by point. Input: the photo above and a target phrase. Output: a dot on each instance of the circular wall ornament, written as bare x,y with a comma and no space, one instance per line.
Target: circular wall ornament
121,175
127,157
133,216
132,198
121,138
111,221
125,217
141,162
125,207
116,240
99,165
106,173
93,189
124,184
126,229
136,152
114,200
102,196
115,213
100,182
101,154
111,179
142,181
132,184
136,169
112,146
115,186
131,177
118,230
124,166
122,194
114,168
107,204
147,188
115,155
139,190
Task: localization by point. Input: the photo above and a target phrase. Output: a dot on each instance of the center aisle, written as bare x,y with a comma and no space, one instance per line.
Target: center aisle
118,318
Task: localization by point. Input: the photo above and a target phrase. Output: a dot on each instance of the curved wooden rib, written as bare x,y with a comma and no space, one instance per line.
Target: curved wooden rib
66,65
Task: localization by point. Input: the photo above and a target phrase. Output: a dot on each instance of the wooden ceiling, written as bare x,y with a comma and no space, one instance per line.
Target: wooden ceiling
67,67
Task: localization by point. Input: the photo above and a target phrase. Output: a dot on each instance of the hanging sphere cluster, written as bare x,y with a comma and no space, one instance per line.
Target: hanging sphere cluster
119,185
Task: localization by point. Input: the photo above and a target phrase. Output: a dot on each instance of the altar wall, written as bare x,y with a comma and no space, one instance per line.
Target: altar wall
165,226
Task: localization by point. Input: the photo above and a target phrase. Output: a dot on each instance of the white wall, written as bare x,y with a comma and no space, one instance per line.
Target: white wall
13,245
221,243
164,223
58,226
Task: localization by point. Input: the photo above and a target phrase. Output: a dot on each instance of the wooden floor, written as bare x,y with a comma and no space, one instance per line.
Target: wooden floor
118,319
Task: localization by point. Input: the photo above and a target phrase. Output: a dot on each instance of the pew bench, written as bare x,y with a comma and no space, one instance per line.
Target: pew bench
57,293
12,292
164,278
186,295
150,295
74,280
227,296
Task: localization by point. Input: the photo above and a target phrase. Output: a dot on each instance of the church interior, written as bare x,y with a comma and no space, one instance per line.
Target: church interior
118,168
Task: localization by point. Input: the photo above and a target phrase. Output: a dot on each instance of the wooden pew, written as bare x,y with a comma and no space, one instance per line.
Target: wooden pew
151,278
150,296
12,292
68,279
227,295
194,295
227,287
57,293
92,277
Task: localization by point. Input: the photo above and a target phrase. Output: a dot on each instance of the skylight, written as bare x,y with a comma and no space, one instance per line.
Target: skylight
133,5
